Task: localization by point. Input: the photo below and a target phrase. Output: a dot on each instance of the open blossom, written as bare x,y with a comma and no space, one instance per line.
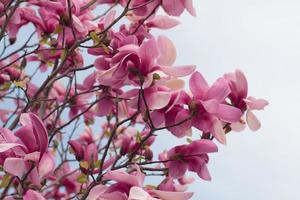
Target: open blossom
239,98
192,157
28,144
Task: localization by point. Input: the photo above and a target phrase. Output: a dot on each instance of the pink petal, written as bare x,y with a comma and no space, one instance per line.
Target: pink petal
202,146
167,51
157,100
178,71
252,121
173,7
177,169
242,84
15,166
204,173
175,84
7,146
34,156
123,177
198,85
77,24
229,113
109,18
219,90
256,104
165,195
137,193
211,106
218,132
46,165
189,7
238,126
162,22
96,192
40,132
33,195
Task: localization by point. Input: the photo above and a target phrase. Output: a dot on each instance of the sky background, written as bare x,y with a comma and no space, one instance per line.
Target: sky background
262,38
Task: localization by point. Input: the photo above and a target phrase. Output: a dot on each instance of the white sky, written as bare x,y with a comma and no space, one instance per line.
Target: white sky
261,37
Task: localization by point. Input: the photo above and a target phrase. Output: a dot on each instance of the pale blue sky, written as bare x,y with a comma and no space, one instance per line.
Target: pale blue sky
261,37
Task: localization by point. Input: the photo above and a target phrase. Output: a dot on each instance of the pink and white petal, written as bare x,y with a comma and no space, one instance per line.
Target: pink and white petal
123,177
202,146
149,50
178,71
33,195
177,169
46,165
256,104
137,193
96,192
34,156
242,84
189,7
166,195
198,85
162,22
174,7
252,121
77,24
219,90
8,135
167,50
204,173
228,113
211,105
15,166
238,126
157,100
175,84
218,132
109,18
7,146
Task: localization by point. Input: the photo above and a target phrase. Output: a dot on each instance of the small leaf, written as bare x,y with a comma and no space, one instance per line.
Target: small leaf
97,164
20,84
82,178
95,37
84,164
105,48
5,86
189,140
138,137
5,181
63,54
156,76
44,40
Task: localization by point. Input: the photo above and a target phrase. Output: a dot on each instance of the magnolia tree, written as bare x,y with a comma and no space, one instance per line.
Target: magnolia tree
85,91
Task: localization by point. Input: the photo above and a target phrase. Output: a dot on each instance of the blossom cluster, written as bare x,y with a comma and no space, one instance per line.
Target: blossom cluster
77,70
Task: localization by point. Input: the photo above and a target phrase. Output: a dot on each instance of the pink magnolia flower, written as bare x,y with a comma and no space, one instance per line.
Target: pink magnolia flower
192,157
210,108
28,144
176,7
33,195
239,98
55,14
134,63
137,193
